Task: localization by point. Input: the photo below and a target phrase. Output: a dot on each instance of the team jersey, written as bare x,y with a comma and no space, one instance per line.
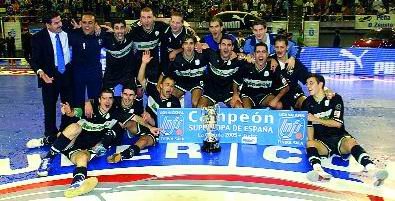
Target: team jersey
155,101
144,40
220,74
185,71
119,60
326,109
100,123
136,108
298,74
264,81
172,42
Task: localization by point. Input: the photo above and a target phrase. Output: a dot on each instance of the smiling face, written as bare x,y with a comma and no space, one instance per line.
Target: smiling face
166,88
176,24
128,97
315,88
188,46
88,23
259,31
119,31
106,100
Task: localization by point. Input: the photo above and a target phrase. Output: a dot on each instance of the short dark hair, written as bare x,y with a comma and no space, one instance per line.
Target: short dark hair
259,22
226,37
106,90
48,16
280,38
118,21
177,14
166,77
216,19
189,36
129,86
319,78
260,44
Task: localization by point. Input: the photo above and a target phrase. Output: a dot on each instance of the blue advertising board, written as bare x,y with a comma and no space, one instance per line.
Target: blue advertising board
352,61
247,126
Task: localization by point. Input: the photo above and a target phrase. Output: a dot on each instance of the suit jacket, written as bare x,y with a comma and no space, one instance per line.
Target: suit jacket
43,55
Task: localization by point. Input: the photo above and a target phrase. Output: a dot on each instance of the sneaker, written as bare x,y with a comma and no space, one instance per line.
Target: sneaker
35,143
318,176
44,167
379,176
99,150
115,158
81,187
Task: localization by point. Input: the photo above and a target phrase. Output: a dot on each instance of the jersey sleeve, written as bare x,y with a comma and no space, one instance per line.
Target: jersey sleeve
338,109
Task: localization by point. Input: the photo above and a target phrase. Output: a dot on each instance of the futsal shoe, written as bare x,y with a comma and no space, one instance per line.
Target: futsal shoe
35,143
43,169
81,187
318,176
115,158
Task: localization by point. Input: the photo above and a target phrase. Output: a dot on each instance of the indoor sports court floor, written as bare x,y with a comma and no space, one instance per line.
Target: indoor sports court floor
180,172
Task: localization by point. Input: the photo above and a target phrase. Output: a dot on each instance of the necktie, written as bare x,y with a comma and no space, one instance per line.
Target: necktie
59,55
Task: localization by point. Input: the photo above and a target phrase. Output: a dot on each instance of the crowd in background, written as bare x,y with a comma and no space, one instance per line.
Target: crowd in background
197,9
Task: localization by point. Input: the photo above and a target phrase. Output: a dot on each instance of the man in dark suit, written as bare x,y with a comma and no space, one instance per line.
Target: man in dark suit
51,62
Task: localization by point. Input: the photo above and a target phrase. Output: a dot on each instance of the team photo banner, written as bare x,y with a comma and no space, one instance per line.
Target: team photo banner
247,126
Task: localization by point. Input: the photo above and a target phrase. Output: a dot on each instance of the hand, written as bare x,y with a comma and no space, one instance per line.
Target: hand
147,117
172,55
291,63
75,24
66,109
108,28
329,93
233,55
127,29
45,77
273,103
273,65
155,131
241,56
97,29
146,57
235,100
88,109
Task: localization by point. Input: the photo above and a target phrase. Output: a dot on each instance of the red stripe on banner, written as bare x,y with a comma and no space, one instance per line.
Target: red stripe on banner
251,179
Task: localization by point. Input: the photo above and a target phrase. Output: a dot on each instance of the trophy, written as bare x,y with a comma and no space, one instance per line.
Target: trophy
209,120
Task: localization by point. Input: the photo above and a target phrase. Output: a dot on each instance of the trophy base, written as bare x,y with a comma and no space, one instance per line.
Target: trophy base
211,147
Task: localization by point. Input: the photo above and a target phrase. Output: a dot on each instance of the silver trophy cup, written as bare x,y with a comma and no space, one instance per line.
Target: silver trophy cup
209,120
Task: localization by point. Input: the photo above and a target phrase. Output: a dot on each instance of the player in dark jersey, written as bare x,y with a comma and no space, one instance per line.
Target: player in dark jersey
146,35
259,82
219,83
119,57
327,135
158,96
213,40
148,135
77,140
187,70
295,96
172,38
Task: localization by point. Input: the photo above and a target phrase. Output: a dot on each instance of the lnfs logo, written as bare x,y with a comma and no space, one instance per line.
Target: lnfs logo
172,125
291,129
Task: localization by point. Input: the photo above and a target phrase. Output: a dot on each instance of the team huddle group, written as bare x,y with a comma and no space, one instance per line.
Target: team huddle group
164,62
